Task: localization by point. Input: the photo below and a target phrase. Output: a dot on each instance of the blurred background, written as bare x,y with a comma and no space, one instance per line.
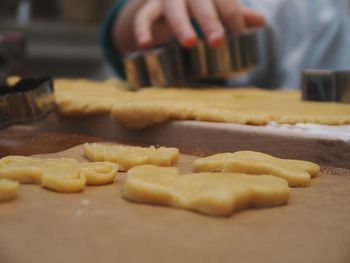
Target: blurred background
52,37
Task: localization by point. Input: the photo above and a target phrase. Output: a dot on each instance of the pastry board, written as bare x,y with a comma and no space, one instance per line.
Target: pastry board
98,225
325,149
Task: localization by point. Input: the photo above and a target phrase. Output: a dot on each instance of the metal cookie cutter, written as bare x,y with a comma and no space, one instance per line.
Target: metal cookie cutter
326,85
170,64
28,100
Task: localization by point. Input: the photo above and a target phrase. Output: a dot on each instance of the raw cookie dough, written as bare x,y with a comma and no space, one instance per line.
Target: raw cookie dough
86,97
8,189
150,106
61,175
217,194
243,106
12,80
296,172
130,156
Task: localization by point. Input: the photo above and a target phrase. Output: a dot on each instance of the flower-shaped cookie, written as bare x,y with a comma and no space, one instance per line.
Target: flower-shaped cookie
218,194
296,172
8,189
131,156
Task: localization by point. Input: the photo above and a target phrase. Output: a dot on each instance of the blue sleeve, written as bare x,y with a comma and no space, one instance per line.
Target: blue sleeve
111,52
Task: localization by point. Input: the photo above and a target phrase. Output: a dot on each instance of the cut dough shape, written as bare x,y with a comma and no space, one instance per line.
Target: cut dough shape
131,156
8,189
217,194
212,163
61,175
296,172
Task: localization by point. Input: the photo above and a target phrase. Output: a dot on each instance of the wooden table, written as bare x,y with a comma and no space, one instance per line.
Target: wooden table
29,140
98,225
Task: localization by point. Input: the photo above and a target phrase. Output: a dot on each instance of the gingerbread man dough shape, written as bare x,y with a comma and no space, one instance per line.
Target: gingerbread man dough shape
61,175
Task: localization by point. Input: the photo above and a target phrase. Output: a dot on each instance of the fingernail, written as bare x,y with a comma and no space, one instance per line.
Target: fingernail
188,40
144,45
216,38
144,41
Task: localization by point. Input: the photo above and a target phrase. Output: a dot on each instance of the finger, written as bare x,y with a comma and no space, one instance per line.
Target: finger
206,14
144,20
177,16
253,18
231,14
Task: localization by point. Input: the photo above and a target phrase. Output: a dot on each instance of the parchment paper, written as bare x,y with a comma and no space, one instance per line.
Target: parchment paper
98,225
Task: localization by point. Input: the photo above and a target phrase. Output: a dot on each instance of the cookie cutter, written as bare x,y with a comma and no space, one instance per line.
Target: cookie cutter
28,100
326,85
170,64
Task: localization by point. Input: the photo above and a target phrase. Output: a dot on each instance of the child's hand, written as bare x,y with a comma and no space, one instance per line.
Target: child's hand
213,16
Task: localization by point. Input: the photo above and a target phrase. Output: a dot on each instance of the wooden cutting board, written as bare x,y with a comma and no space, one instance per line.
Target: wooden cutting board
212,137
98,225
